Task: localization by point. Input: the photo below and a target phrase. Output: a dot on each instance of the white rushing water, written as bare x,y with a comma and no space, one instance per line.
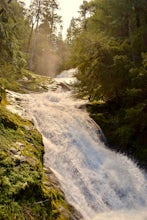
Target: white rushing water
101,184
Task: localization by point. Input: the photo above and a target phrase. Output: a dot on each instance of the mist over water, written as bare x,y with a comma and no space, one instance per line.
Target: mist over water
101,184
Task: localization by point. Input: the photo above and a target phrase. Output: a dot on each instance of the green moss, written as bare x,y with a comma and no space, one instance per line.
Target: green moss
27,192
22,81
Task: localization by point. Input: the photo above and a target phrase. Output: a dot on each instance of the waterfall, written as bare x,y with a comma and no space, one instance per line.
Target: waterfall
101,184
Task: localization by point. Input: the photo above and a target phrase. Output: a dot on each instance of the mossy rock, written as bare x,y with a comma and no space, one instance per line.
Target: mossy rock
27,191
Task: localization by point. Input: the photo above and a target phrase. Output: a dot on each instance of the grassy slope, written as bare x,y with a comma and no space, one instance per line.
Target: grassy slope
27,190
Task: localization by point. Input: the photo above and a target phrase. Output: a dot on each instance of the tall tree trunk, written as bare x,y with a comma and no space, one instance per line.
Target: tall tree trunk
30,37
35,36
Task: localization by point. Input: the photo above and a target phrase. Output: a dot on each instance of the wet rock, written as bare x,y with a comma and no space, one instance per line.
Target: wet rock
19,145
18,99
53,182
53,179
13,150
64,86
18,159
29,128
29,140
83,106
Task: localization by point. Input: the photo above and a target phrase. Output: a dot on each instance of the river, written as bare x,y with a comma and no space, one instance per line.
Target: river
99,183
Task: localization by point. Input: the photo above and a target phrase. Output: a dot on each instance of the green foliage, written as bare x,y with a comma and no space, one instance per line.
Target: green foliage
103,69
12,38
111,55
45,39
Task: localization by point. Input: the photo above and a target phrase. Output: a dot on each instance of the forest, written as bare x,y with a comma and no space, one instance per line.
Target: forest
108,45
107,42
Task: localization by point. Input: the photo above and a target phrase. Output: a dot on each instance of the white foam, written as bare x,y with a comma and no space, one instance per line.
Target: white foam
94,179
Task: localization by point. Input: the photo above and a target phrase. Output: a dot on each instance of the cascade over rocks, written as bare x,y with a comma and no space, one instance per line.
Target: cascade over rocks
94,179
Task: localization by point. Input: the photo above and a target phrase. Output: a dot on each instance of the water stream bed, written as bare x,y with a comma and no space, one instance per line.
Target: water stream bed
101,184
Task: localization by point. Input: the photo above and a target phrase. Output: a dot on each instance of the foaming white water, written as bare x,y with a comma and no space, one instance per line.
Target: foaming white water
97,181
122,215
